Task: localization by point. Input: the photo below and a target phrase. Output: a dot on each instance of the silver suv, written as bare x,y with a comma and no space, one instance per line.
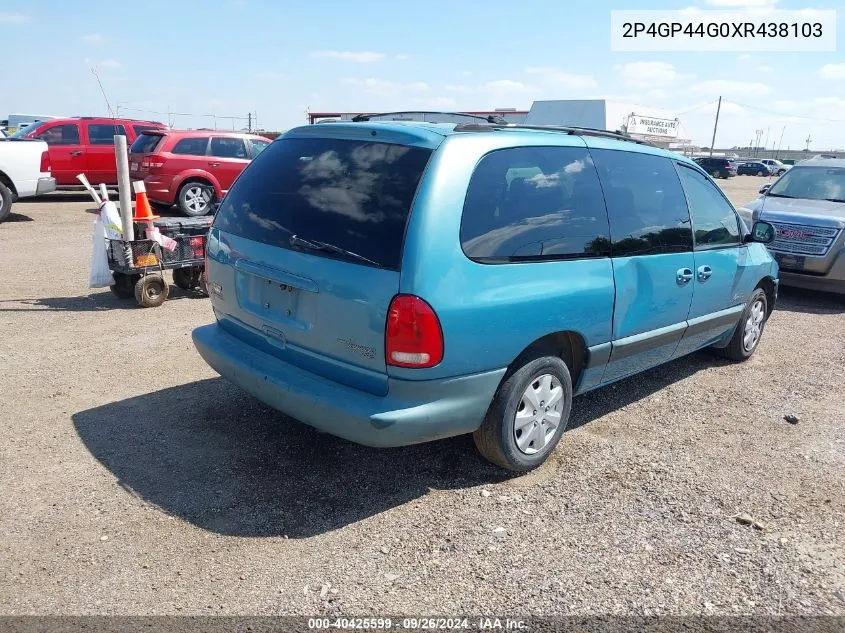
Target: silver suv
806,205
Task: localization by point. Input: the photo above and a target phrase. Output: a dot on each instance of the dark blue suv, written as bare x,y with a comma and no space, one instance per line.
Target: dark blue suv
399,282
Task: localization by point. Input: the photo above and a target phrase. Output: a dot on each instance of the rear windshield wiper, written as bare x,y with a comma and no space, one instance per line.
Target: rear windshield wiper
316,245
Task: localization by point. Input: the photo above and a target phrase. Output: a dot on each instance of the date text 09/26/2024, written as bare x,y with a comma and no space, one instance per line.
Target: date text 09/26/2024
418,624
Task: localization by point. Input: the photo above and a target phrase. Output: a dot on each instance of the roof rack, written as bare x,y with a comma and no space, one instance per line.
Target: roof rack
489,119
566,129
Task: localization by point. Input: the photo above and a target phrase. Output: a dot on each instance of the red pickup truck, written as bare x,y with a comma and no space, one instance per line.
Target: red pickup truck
85,145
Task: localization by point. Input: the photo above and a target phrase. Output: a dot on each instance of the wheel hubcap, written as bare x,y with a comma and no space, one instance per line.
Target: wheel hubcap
753,326
538,414
195,199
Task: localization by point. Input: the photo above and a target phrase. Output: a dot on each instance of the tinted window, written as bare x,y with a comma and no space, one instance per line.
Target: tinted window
355,195
814,183
228,148
258,147
103,134
192,146
714,219
645,202
61,135
145,143
140,128
531,203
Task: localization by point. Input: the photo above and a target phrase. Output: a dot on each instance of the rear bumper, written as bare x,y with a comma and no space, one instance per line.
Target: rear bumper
45,185
160,189
411,412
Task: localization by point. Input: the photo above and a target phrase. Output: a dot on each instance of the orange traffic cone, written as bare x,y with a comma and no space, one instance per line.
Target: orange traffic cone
143,210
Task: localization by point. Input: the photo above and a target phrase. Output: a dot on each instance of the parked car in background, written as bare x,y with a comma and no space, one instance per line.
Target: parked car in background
775,166
177,166
717,167
806,205
753,169
85,145
24,172
400,282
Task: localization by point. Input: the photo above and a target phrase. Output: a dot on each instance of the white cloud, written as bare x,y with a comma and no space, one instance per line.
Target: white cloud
507,85
744,57
383,87
361,57
766,69
729,88
436,103
742,4
270,76
92,38
109,63
651,74
459,88
832,71
13,18
402,57
562,79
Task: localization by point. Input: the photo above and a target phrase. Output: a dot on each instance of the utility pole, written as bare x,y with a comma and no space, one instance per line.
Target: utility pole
249,125
715,125
777,153
766,145
808,141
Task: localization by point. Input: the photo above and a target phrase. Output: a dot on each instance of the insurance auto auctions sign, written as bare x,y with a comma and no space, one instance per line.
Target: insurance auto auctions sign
650,126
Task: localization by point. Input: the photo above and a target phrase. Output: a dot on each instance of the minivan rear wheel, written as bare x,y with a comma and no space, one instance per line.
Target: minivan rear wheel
194,200
528,415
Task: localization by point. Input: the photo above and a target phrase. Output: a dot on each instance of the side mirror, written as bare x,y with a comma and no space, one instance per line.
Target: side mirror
762,232
765,188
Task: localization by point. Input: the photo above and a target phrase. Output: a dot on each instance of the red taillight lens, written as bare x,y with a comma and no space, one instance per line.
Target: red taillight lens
414,337
151,163
45,162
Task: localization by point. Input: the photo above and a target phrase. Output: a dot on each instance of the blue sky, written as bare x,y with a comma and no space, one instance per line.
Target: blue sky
231,57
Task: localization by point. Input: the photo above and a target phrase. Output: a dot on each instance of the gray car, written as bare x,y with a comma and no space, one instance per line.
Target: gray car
807,207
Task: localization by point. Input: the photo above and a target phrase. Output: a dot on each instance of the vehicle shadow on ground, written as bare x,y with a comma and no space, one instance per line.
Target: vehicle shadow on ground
215,457
809,301
95,302
18,217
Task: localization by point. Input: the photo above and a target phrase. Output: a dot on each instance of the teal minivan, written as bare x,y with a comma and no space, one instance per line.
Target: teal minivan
395,282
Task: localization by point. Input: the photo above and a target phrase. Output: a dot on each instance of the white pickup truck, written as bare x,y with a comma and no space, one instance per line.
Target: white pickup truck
24,171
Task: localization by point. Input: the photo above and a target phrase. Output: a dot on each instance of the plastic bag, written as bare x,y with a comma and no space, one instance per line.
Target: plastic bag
165,242
100,274
111,220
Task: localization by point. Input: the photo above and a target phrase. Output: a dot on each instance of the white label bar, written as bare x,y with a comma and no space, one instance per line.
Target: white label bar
746,30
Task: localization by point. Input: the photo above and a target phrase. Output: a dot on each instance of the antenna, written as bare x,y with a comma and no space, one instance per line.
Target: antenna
100,83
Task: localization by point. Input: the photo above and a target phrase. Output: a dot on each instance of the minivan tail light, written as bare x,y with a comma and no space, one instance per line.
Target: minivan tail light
150,163
413,335
45,162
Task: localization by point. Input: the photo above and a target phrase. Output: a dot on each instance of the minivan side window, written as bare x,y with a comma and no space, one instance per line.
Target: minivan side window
228,147
67,134
645,202
191,146
534,204
103,134
714,220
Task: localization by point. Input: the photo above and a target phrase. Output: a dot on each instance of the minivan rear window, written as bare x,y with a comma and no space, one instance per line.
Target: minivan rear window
353,195
145,143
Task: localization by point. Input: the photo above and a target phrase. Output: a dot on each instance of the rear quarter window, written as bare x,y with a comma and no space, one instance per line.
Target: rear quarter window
352,194
196,146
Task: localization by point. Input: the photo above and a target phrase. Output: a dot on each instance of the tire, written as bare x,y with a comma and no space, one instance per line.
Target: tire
715,175
124,285
781,172
739,349
760,173
186,278
498,439
151,291
189,196
5,202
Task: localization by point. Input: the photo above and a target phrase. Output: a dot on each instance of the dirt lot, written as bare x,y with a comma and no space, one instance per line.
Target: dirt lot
134,480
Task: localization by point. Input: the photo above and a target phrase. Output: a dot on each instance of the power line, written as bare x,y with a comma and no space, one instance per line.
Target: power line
784,114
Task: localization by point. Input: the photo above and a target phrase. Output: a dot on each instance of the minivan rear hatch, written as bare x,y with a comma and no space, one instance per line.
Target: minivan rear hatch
305,252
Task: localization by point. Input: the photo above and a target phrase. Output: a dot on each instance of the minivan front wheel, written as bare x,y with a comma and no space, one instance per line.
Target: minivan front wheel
528,415
749,330
194,200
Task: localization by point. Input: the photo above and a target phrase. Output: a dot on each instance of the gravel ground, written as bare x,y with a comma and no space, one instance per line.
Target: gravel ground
135,480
